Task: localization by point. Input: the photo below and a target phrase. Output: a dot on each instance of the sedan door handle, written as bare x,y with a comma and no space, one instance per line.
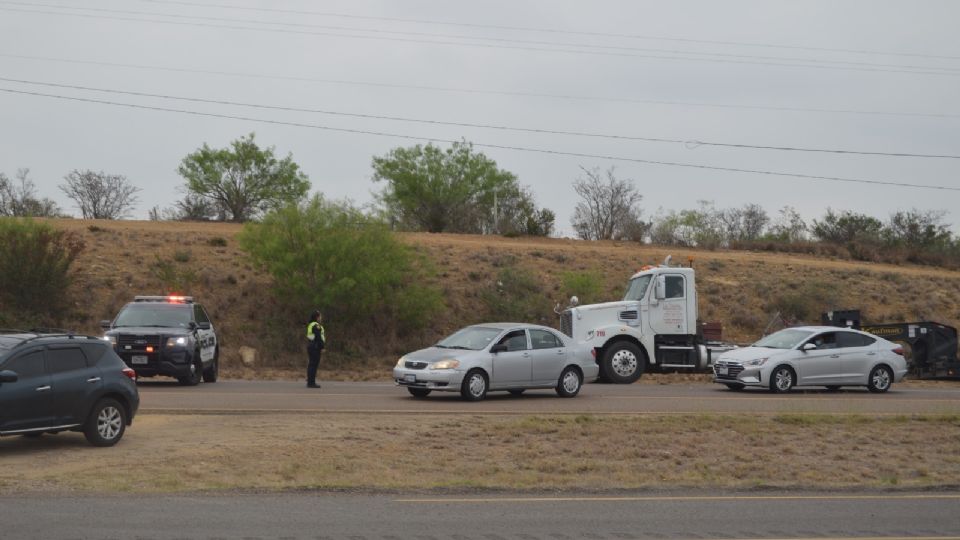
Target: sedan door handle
93,379
871,354
43,388
561,352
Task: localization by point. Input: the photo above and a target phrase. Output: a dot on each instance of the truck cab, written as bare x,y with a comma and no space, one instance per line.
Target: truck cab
654,325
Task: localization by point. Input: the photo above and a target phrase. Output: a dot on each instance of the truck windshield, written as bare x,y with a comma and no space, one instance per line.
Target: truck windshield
471,338
155,314
637,287
784,339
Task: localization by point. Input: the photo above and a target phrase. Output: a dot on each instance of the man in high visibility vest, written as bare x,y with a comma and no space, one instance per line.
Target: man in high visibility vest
316,341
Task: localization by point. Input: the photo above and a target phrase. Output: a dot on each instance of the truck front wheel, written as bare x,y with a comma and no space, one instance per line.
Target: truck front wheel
623,363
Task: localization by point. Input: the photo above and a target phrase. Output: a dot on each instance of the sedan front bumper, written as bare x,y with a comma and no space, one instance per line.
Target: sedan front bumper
736,373
441,380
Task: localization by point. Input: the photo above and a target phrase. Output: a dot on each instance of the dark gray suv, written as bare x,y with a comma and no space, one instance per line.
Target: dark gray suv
63,382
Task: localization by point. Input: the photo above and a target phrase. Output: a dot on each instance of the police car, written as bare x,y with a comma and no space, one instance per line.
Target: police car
166,335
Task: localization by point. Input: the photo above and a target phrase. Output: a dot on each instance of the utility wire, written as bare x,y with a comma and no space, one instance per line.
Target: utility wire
488,145
550,30
569,97
690,143
489,39
919,71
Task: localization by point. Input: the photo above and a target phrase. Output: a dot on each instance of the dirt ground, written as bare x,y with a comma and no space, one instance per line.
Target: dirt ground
185,453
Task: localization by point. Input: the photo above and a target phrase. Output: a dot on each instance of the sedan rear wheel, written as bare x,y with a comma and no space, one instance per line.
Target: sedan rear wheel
880,379
474,386
782,380
570,382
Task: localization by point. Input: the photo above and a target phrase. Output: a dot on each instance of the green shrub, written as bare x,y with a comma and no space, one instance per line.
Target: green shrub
35,279
217,241
586,286
328,256
176,278
182,255
515,296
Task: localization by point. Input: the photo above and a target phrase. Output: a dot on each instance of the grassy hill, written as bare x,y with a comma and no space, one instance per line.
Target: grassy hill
743,290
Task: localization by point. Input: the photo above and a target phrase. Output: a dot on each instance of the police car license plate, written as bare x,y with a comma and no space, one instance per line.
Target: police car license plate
138,359
410,378
721,370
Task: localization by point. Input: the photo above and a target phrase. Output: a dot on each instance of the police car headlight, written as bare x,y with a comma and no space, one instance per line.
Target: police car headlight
445,364
176,341
110,339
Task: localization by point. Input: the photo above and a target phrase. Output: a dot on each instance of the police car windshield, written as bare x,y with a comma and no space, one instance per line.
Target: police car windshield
472,338
637,288
155,314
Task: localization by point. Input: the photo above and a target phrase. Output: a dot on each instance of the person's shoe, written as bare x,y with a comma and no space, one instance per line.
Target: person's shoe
313,385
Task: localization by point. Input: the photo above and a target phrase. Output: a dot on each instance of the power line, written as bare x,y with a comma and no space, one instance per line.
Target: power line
918,71
538,95
691,143
488,145
910,68
552,30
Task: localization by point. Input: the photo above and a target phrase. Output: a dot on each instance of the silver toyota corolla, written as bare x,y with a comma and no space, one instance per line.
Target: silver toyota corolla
813,356
496,356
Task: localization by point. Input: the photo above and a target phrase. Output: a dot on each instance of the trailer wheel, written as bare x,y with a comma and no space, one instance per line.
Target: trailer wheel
623,363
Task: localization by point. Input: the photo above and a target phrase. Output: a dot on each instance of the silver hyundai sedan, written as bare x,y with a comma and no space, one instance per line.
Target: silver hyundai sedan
493,357
813,356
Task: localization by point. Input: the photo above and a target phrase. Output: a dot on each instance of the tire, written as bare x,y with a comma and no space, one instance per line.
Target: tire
106,424
782,380
570,382
419,392
833,387
623,363
34,435
196,374
517,391
474,385
736,387
210,374
880,379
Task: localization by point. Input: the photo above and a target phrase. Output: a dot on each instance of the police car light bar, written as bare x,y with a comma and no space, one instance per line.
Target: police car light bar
173,299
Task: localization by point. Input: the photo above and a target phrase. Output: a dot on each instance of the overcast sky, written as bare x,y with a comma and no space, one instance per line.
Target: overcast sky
869,76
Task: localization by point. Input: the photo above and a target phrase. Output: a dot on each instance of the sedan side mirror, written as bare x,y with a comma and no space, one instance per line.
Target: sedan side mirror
8,376
499,348
105,324
809,346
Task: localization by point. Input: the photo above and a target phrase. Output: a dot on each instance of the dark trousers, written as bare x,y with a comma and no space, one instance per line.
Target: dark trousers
313,364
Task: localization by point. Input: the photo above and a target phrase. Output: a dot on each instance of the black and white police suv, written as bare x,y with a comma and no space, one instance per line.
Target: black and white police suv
166,335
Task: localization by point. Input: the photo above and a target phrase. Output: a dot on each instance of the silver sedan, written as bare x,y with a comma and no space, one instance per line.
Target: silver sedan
491,357
813,356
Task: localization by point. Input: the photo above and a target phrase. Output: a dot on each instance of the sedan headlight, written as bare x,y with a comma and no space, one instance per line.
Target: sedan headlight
445,364
180,341
401,361
756,362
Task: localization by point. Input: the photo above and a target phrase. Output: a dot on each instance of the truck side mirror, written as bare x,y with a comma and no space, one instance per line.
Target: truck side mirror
660,290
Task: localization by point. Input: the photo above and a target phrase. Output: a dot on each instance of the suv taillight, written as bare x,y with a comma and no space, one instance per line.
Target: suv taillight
130,373
898,350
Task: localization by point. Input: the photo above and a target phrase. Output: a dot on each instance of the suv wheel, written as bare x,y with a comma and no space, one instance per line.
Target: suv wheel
210,374
196,370
106,423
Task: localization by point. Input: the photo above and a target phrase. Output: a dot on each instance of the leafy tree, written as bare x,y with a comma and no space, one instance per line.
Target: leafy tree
608,207
100,195
330,256
790,227
22,200
846,226
743,224
452,190
242,181
35,261
518,215
918,228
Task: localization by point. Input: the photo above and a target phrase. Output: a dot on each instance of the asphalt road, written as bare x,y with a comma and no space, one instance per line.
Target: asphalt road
544,517
284,396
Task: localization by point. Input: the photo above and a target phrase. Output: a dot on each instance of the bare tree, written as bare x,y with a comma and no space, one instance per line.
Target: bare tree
21,200
608,209
100,195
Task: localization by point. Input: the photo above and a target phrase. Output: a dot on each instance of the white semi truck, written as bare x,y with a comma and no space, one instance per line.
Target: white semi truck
654,326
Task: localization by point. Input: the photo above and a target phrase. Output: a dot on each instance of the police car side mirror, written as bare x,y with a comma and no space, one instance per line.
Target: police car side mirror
203,326
8,376
499,348
105,324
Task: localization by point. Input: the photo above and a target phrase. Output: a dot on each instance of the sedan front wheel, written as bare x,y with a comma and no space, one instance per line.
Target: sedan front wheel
474,386
782,380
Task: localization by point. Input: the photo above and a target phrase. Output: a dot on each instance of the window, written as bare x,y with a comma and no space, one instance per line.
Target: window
825,341
64,360
851,339
674,288
544,340
199,314
515,341
27,365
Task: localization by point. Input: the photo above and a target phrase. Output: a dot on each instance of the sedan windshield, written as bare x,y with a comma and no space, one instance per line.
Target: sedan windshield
637,288
784,339
160,315
472,338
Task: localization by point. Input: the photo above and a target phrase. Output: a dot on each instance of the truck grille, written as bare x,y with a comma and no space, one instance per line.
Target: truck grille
566,323
733,369
414,365
137,342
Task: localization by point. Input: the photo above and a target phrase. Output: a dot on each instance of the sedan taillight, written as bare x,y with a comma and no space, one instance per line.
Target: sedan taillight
898,350
130,373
